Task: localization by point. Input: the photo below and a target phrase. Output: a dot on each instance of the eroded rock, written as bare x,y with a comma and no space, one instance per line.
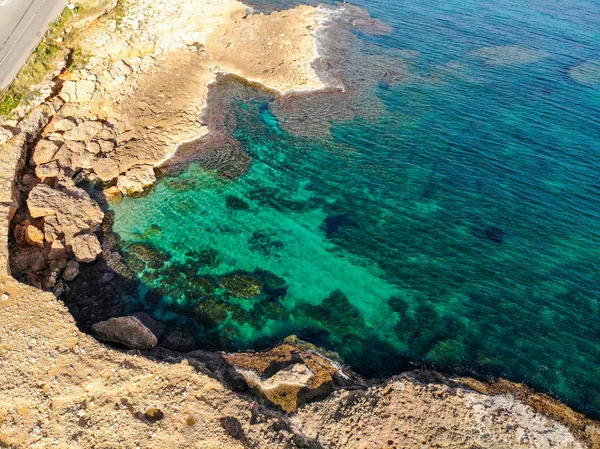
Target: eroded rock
136,179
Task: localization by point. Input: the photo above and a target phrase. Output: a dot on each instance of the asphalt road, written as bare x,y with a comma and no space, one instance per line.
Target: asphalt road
22,25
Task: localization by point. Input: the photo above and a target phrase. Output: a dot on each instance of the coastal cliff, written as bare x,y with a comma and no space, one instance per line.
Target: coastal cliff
111,120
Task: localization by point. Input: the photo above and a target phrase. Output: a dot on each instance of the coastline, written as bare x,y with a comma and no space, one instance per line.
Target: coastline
82,351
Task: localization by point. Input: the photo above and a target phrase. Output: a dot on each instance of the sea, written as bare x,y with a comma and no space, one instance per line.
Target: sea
439,208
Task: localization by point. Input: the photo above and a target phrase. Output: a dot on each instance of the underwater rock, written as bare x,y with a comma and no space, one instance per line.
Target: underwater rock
235,203
126,330
241,285
494,234
145,252
334,223
211,312
178,341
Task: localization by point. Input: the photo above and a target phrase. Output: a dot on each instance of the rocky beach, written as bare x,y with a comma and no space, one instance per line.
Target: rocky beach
77,370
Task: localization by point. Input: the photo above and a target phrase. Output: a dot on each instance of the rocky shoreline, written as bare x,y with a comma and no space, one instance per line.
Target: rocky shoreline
100,133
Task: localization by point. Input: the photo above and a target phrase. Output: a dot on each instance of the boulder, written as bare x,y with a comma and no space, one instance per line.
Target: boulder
33,236
69,212
86,247
44,151
136,179
126,330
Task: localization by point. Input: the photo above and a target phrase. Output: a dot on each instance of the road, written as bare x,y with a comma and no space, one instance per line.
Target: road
22,25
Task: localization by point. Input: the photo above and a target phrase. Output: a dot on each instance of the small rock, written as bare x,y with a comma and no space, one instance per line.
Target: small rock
33,236
78,91
57,251
5,134
113,194
4,296
86,247
71,271
153,414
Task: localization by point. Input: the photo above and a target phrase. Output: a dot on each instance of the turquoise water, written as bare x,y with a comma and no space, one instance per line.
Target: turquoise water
448,213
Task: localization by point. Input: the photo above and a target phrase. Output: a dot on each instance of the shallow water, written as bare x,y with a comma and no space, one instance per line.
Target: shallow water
453,219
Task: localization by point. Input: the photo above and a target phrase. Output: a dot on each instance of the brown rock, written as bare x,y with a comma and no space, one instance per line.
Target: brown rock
33,236
84,131
86,247
48,170
113,194
126,330
106,168
57,251
287,377
44,152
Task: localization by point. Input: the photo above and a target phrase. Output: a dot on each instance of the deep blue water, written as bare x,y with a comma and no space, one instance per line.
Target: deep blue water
452,218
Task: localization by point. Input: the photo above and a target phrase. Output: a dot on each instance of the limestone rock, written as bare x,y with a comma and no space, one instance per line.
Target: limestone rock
5,134
65,124
48,170
71,271
78,91
69,212
106,168
84,131
136,179
127,330
33,236
86,247
44,152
